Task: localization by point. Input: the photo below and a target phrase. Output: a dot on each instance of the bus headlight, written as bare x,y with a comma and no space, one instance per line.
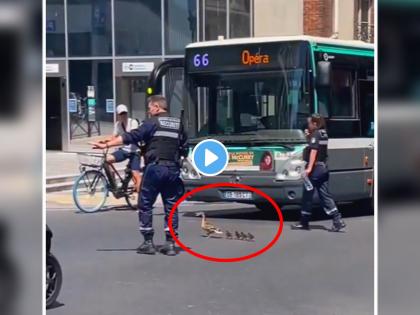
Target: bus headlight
292,170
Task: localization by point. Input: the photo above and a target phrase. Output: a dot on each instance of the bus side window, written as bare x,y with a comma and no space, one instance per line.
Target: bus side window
323,103
338,104
343,105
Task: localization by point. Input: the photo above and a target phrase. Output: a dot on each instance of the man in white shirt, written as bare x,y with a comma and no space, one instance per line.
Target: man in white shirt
131,151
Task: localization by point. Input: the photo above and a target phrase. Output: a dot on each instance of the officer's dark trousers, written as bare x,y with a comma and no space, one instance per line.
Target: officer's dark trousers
164,180
319,179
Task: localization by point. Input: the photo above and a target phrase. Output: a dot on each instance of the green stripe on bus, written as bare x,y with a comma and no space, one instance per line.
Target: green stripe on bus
343,51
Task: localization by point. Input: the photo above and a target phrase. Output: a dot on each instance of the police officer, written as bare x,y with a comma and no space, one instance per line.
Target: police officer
165,142
315,154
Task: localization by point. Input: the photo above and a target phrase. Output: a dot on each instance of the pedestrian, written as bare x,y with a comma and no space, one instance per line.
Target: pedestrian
315,156
129,152
165,142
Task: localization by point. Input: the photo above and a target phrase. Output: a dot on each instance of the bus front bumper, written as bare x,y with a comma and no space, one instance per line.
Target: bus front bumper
283,192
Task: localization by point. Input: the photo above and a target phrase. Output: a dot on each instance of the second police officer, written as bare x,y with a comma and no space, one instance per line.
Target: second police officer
316,154
165,142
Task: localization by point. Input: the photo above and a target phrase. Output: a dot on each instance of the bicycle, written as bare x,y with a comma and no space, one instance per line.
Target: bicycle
97,179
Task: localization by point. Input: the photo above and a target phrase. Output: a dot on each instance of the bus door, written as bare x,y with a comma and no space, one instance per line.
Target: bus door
367,107
367,120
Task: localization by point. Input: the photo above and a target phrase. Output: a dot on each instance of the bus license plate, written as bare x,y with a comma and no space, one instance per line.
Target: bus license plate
243,195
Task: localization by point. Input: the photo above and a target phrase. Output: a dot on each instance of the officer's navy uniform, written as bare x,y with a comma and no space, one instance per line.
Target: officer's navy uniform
319,178
164,140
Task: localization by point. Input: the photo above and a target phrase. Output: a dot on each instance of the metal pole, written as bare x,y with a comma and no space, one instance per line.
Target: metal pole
114,89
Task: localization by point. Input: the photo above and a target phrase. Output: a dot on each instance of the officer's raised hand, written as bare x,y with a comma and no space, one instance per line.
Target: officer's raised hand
98,145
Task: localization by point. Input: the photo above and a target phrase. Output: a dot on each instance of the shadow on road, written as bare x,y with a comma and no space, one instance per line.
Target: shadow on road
158,249
56,304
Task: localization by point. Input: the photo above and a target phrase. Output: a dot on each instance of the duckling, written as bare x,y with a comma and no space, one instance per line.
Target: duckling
238,235
244,236
250,237
228,235
207,227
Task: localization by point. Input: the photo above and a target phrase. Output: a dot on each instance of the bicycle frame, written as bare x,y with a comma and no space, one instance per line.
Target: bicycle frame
108,169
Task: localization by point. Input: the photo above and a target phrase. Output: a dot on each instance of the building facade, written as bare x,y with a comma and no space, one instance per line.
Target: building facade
112,46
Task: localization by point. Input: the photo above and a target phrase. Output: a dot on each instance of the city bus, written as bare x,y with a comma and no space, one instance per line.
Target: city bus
254,95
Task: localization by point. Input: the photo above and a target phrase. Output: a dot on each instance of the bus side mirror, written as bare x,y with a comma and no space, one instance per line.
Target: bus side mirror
323,74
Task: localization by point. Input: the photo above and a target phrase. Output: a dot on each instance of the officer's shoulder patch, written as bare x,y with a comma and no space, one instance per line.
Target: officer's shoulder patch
323,133
169,122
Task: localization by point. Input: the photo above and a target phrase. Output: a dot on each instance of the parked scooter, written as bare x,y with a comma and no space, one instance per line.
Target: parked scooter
54,275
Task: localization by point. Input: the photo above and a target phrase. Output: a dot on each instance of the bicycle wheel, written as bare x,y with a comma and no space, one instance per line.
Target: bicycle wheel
131,195
90,191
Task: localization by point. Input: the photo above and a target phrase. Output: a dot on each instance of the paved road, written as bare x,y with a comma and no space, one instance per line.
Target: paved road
315,272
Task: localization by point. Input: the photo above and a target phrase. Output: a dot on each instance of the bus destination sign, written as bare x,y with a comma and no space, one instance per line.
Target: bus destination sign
244,57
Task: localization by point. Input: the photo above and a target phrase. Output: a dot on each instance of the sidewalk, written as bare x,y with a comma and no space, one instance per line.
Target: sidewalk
63,168
61,163
65,163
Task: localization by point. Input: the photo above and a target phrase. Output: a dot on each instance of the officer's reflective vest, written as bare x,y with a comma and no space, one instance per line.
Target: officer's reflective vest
165,142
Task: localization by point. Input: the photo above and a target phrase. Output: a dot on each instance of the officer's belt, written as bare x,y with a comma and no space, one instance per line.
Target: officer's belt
321,163
165,163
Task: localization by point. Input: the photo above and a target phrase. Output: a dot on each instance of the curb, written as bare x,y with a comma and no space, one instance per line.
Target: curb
65,182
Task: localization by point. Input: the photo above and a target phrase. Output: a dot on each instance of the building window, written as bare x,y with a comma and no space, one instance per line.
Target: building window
89,27
227,18
138,27
55,40
364,23
98,73
239,18
215,19
180,25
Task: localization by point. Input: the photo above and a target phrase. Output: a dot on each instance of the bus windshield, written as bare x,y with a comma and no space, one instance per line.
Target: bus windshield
270,103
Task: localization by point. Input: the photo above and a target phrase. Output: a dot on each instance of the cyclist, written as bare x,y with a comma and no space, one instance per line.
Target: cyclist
130,151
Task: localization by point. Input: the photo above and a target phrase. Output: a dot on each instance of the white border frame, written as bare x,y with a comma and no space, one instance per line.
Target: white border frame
375,181
44,153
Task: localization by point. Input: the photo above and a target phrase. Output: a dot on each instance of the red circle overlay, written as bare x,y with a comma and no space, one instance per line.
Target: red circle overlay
233,259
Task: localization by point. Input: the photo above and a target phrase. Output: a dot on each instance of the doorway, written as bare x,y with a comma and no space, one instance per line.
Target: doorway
54,102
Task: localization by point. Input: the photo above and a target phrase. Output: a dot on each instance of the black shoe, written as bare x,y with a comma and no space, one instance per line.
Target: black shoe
146,248
300,226
169,249
338,225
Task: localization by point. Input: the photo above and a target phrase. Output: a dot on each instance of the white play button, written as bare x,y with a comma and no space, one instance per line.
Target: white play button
209,157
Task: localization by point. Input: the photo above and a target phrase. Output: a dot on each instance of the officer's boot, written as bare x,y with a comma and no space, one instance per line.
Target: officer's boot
147,247
338,223
169,247
303,224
